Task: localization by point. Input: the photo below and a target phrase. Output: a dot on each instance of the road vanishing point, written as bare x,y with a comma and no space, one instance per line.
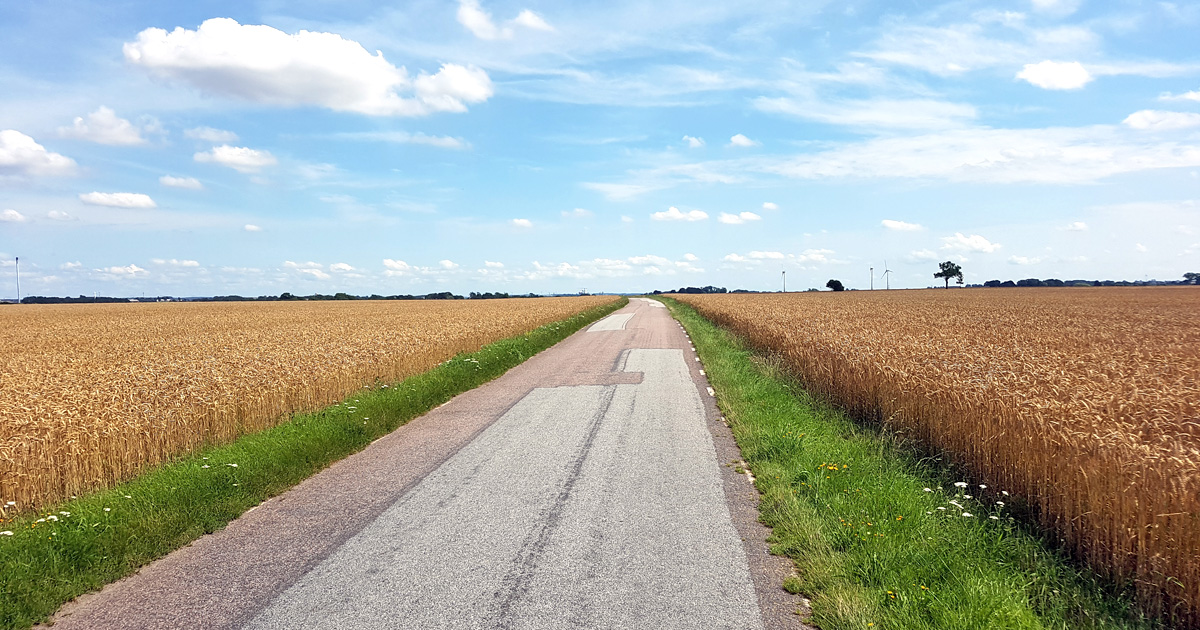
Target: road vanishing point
593,486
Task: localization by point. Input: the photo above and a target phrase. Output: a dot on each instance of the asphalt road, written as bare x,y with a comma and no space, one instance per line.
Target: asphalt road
587,488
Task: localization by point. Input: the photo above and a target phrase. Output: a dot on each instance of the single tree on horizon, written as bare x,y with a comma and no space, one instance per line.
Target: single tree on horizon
836,285
949,270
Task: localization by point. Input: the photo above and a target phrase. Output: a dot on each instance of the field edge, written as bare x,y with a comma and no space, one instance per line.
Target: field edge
790,438
64,551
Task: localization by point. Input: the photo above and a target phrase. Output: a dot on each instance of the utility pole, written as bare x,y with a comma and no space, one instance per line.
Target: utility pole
18,262
872,278
785,281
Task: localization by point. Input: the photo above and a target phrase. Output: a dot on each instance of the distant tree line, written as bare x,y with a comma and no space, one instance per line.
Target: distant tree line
708,289
283,297
83,299
1188,278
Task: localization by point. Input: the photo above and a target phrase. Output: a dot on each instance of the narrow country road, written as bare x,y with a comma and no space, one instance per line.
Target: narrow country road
586,488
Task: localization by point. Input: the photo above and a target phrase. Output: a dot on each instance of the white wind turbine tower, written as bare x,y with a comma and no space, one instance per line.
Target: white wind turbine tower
887,281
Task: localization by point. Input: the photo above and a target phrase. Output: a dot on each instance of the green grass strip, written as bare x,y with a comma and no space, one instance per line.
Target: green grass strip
875,533
79,546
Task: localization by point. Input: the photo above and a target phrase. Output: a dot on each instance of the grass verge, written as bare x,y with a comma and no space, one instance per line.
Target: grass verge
881,537
83,544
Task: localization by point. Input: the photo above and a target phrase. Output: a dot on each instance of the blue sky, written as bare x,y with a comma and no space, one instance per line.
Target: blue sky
307,146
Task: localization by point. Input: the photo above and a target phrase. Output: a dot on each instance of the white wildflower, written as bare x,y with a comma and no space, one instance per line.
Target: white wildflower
960,484
1000,503
6,533
982,487
968,514
994,518
928,490
107,509
232,465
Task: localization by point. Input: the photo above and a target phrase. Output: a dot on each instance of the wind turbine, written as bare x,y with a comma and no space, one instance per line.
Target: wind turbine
887,281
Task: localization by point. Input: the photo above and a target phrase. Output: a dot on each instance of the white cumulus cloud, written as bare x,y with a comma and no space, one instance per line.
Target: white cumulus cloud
447,264
691,257
12,216
316,273
209,134
734,258
1056,75
190,183
901,226
740,140
103,126
577,213
493,265
674,214
693,143
1159,120
1076,226
472,16
118,200
241,159
1023,260
262,64
529,19
770,205
521,223
250,227
341,267
59,215
21,155
130,270
738,219
175,262
396,267
972,243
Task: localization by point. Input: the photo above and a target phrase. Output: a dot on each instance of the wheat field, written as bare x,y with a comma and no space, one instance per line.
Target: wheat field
1083,401
92,394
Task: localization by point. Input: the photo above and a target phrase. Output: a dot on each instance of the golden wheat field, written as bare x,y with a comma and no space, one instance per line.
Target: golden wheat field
92,394
1083,401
